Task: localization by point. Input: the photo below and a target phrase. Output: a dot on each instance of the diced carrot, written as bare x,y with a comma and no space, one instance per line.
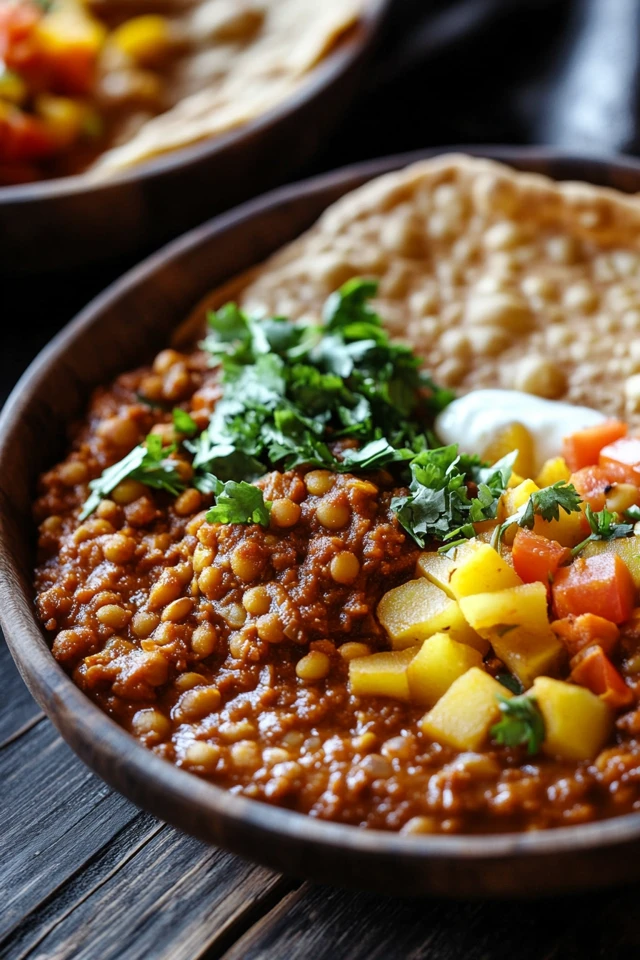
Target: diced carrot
601,585
536,557
579,632
582,449
621,460
593,484
596,672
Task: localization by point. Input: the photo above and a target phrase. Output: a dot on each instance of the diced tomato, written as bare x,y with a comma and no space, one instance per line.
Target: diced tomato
537,558
19,49
596,672
23,137
601,585
582,449
577,633
621,460
593,484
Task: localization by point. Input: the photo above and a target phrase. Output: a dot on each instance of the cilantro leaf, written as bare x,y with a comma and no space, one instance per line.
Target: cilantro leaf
148,463
184,423
604,526
522,723
510,682
239,503
632,514
546,503
438,505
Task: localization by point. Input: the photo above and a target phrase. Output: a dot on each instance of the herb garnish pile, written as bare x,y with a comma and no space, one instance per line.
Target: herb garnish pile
337,395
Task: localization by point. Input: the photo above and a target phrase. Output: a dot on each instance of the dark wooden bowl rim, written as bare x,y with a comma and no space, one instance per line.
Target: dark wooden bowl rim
330,68
167,790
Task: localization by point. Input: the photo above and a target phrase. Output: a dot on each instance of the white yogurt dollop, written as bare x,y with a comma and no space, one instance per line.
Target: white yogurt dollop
478,418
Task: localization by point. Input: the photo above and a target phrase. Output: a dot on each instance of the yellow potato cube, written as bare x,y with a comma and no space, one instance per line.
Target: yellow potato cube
146,39
464,715
515,436
437,664
628,548
512,499
68,26
552,471
528,655
63,116
482,570
418,609
577,722
516,623
436,567
382,674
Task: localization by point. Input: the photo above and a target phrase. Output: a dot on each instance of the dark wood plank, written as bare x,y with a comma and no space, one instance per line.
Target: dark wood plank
56,816
18,709
153,894
321,922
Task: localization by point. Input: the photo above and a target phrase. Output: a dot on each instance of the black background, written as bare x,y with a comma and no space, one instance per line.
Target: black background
560,72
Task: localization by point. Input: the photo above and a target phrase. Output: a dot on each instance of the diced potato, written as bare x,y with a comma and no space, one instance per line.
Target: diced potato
577,722
482,570
63,116
627,548
529,655
464,715
69,26
516,623
437,567
514,436
418,609
382,674
13,89
513,499
146,39
568,529
438,663
552,471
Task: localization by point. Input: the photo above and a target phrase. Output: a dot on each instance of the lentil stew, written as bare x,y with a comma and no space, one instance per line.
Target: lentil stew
245,649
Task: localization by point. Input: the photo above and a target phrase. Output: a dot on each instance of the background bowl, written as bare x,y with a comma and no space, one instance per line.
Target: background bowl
74,221
124,327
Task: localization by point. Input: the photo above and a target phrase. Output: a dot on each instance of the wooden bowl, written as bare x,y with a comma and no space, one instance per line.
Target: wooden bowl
121,329
74,221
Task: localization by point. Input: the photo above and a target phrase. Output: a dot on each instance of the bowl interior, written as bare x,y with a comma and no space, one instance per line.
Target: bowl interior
122,328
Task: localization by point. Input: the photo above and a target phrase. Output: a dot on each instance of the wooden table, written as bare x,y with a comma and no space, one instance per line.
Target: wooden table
85,875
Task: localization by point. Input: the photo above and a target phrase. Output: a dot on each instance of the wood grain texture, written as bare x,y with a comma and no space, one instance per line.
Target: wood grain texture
18,709
116,332
325,923
56,816
152,893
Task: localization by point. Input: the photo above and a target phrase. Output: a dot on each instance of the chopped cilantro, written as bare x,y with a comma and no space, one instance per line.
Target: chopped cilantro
604,526
632,514
292,389
510,682
339,395
239,503
184,423
148,463
438,505
522,723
